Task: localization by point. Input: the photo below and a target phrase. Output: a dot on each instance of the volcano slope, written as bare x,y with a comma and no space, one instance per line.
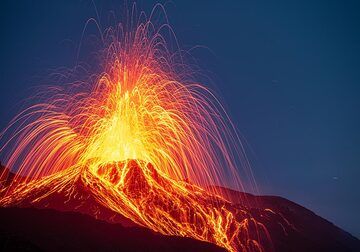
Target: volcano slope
125,197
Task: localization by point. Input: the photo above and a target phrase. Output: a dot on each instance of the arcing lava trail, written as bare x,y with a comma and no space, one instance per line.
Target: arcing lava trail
142,138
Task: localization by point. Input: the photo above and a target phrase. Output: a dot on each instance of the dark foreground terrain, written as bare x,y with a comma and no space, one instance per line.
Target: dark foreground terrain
50,230
30,229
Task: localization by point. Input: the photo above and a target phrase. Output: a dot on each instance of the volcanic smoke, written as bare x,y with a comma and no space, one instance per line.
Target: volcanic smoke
142,137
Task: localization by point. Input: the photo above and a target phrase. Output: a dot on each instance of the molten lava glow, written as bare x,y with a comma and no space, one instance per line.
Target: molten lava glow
142,137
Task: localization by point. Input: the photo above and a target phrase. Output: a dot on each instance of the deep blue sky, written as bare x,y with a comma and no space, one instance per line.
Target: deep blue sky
287,70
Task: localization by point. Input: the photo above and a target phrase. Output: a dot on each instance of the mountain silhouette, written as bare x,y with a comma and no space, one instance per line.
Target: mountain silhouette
70,216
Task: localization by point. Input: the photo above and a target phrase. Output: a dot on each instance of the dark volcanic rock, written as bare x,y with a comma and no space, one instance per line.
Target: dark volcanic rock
27,229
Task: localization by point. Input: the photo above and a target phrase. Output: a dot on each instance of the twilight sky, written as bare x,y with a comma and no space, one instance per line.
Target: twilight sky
288,71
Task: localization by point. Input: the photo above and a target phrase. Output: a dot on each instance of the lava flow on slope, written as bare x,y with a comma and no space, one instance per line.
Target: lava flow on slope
136,190
141,138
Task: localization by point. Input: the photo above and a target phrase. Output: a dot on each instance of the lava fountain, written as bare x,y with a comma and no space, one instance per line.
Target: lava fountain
144,138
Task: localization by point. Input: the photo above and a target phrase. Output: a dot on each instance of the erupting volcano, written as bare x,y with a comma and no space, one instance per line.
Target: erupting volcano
142,138
141,142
